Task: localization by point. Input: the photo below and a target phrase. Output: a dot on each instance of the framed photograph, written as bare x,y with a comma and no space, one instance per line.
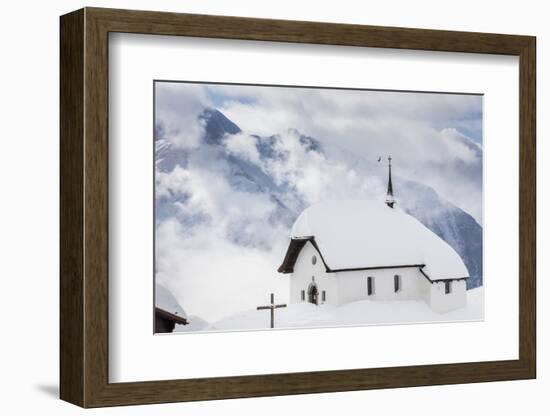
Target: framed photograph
256,207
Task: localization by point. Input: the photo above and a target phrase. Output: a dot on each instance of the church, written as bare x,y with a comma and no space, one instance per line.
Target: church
346,251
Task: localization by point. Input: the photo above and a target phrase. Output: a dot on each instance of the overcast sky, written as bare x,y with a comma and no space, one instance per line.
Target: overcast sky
294,106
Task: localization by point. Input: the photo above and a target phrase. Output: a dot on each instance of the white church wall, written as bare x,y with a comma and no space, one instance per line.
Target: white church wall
349,286
425,287
305,272
352,285
442,302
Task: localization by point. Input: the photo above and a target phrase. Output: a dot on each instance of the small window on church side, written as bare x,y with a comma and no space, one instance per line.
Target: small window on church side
448,287
396,283
303,295
370,285
323,296
314,260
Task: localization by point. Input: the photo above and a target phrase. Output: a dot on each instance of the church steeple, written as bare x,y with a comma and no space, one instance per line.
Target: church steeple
390,200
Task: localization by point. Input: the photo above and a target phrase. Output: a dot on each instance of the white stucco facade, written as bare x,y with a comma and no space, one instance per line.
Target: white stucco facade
337,288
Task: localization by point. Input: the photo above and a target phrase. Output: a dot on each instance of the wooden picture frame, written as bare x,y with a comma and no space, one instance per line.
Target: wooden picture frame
84,207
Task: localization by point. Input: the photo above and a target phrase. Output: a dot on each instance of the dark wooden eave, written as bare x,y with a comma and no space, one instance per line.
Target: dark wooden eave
170,316
294,248
441,280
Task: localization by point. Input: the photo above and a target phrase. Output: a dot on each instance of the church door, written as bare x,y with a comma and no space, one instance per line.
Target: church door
313,294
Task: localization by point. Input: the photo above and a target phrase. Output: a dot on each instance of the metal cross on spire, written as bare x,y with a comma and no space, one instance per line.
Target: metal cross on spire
390,200
272,307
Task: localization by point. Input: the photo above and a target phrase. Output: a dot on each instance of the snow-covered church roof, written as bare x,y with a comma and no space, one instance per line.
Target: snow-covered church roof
369,234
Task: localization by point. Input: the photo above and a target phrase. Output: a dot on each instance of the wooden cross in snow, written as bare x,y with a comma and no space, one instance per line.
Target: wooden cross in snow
272,307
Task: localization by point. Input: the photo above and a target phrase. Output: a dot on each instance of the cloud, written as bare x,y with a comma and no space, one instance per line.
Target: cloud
213,277
177,110
243,145
314,177
426,134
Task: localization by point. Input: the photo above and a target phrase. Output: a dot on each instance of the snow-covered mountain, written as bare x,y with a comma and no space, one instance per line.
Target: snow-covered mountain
262,166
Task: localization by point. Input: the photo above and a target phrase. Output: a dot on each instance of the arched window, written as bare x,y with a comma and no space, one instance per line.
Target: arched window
313,260
370,285
396,283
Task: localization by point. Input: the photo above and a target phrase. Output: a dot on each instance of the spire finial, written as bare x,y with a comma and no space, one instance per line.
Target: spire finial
390,200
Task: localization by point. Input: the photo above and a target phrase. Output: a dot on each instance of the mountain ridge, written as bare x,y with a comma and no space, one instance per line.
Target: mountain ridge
458,228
